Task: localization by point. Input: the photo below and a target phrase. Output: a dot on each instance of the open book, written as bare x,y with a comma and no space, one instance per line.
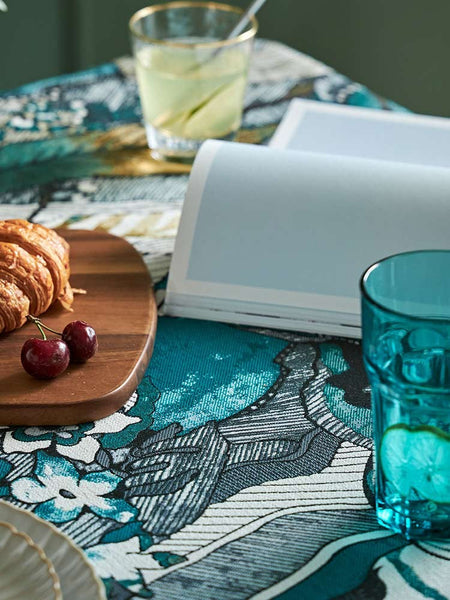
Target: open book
279,236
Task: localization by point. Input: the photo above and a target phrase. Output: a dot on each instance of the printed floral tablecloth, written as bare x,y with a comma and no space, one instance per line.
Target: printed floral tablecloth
242,465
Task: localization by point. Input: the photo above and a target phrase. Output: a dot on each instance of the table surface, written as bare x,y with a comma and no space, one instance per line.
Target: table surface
242,465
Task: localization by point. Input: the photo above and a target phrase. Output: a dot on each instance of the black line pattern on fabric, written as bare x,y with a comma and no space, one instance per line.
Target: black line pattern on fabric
431,553
318,411
294,539
172,478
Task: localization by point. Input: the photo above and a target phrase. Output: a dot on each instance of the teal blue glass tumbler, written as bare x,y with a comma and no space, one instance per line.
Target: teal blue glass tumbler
406,348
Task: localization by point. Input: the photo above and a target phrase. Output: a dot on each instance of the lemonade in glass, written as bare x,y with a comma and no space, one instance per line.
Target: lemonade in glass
191,78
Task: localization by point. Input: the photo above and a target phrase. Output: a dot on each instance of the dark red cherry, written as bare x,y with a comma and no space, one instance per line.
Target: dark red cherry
81,340
45,359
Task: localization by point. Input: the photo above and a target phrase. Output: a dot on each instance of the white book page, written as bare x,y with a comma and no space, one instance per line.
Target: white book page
403,137
293,231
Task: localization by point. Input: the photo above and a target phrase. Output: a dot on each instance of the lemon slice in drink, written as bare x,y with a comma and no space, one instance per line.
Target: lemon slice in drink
419,458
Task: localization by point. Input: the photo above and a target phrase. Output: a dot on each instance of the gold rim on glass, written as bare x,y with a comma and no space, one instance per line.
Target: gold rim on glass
148,10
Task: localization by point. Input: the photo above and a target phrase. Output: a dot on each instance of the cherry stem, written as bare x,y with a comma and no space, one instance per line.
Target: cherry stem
41,326
49,329
38,325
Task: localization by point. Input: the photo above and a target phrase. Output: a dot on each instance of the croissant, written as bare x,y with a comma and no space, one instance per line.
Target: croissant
34,272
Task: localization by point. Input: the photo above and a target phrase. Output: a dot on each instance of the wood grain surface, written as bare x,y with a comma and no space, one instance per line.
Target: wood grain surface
120,305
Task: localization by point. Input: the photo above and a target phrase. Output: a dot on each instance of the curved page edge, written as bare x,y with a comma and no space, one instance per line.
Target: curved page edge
194,194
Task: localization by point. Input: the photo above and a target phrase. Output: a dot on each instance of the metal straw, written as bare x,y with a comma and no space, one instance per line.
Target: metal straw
251,10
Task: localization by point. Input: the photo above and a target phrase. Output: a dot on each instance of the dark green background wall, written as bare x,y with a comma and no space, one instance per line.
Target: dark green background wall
400,48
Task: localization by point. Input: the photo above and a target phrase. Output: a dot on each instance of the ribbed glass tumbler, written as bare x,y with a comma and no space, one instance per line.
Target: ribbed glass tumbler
406,347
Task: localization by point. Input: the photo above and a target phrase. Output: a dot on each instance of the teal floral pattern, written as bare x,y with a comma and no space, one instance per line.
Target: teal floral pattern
79,442
61,493
5,468
69,436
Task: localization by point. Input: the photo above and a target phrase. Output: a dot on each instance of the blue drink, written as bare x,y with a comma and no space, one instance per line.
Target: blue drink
406,345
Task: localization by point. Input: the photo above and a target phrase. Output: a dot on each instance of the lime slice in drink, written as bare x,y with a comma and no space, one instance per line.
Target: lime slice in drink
419,458
219,114
215,115
172,123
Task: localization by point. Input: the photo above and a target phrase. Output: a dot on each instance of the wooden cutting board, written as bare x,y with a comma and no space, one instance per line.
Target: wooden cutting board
120,305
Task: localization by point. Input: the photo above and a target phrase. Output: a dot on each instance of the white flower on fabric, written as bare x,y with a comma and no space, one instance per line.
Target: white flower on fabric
61,493
75,442
121,560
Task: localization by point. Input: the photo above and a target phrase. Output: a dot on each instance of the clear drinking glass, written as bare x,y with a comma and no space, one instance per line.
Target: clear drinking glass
406,347
191,79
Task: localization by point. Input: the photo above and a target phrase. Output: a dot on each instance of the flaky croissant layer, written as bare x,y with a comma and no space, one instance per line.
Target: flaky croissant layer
34,272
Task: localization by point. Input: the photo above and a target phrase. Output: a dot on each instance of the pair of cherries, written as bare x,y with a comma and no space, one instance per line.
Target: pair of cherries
47,358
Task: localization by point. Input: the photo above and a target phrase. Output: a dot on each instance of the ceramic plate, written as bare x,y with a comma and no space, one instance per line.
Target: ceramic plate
25,570
77,577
